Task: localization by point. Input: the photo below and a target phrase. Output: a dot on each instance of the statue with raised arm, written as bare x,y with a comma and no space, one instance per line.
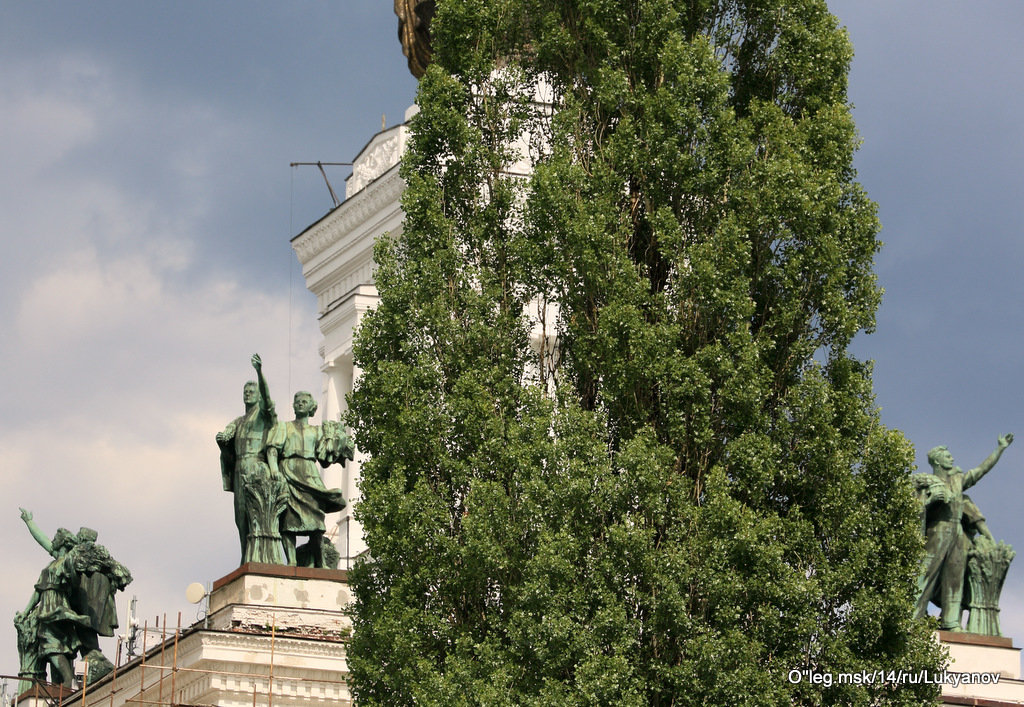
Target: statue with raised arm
73,604
250,475
953,528
300,446
48,628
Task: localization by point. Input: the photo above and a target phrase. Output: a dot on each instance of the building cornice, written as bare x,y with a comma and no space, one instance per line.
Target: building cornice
367,203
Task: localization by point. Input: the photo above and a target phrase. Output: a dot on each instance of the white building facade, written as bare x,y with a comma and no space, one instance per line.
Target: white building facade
336,254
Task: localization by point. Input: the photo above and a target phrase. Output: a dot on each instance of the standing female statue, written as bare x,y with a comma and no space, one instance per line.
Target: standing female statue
72,605
300,446
48,628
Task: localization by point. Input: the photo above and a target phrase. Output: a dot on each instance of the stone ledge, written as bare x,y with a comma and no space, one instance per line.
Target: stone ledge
267,570
975,639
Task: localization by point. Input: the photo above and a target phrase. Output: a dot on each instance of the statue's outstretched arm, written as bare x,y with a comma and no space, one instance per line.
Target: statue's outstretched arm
38,534
974,475
266,404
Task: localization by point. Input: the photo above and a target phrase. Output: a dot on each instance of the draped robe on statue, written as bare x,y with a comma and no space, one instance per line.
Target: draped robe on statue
308,498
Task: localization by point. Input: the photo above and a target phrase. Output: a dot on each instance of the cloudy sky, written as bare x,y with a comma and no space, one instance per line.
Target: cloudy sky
146,205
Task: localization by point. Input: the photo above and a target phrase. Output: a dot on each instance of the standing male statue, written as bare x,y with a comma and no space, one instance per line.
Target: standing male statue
946,544
243,450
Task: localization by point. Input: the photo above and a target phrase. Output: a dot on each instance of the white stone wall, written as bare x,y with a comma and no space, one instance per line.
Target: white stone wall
337,261
269,637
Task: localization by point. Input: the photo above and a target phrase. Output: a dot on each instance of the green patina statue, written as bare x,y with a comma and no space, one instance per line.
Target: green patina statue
271,467
243,458
72,605
964,567
300,446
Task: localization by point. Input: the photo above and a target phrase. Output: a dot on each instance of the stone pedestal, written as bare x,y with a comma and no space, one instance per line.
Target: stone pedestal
273,635
295,600
988,668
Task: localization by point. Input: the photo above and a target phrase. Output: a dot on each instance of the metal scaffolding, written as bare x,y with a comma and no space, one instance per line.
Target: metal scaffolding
165,681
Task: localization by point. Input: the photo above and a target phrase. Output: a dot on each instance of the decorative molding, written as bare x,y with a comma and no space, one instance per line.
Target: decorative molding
352,213
284,571
261,642
378,157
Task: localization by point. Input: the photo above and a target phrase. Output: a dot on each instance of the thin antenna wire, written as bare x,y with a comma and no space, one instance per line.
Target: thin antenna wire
291,233
291,268
320,166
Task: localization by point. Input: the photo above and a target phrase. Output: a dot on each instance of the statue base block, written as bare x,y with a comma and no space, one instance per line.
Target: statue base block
292,600
991,666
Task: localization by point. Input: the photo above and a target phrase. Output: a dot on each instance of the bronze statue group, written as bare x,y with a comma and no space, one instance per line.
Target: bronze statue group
271,468
72,605
964,567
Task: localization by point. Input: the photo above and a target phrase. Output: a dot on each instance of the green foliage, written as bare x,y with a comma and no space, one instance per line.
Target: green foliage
695,495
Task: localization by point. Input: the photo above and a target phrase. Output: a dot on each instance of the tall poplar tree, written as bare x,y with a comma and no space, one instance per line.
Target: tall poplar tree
688,495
